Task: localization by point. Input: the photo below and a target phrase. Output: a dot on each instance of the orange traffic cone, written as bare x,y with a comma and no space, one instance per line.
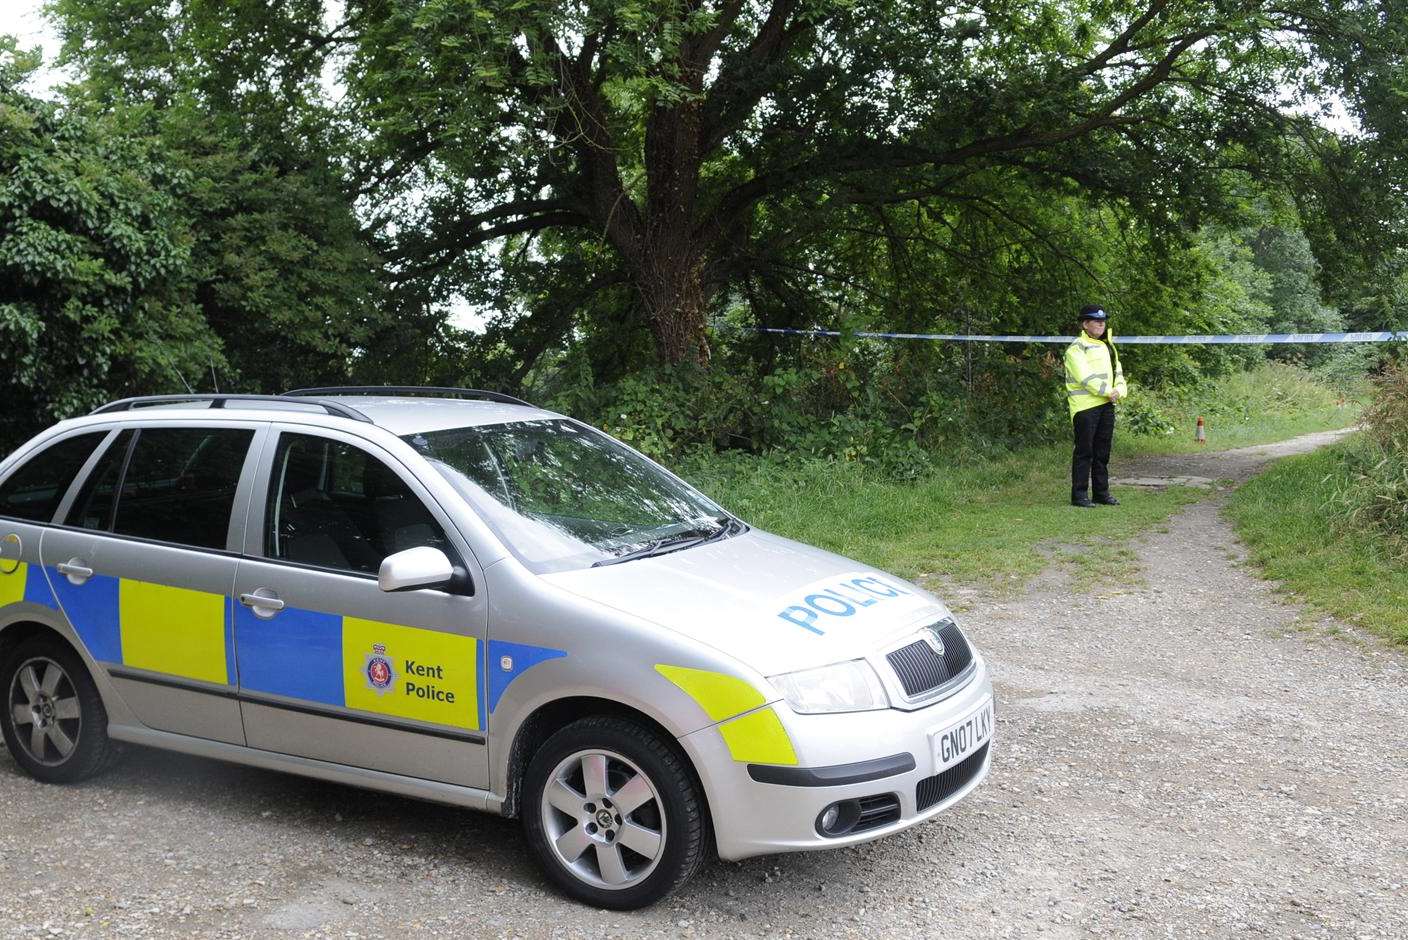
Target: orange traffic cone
1200,435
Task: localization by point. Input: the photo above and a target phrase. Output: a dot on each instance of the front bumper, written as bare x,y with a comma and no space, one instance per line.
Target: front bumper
754,817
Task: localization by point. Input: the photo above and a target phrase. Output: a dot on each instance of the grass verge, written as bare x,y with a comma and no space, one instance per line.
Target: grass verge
975,523
1272,402
1296,537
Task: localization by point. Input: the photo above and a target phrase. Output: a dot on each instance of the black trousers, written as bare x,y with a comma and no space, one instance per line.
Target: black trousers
1094,430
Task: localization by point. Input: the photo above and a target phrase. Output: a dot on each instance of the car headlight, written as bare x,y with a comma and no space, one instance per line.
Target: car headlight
842,687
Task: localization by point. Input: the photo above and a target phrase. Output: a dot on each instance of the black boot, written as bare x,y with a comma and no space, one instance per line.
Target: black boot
1105,499
1081,500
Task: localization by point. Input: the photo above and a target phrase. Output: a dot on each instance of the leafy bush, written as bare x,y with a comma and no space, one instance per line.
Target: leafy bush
1374,491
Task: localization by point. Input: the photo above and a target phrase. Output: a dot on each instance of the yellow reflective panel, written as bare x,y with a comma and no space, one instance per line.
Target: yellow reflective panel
406,672
758,738
173,630
719,695
12,582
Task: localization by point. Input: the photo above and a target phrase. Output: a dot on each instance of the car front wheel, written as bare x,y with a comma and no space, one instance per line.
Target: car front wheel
613,813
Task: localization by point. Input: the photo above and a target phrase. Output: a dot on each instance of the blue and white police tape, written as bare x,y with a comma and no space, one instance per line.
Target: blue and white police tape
1236,339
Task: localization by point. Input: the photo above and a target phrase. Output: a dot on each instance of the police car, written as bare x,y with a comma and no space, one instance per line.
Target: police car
453,595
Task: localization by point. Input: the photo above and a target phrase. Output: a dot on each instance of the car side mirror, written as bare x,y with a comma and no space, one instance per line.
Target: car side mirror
423,567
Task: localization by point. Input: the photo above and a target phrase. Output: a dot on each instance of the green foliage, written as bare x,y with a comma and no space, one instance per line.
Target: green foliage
95,264
282,273
810,159
283,270
1372,490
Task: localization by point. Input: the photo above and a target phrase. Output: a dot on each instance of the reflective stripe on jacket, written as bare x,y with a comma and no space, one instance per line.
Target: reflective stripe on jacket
1090,375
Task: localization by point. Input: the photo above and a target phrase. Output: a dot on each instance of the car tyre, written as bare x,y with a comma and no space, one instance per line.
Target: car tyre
54,722
614,813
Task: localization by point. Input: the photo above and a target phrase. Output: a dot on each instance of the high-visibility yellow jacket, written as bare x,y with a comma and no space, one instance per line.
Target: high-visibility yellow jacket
1090,373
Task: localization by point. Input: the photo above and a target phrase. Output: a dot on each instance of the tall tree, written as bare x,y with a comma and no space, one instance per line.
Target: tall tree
681,145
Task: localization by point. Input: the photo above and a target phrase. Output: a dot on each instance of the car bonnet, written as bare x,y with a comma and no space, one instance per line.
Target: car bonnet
774,604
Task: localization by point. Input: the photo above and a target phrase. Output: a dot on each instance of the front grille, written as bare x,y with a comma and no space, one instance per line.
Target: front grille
934,790
921,669
877,811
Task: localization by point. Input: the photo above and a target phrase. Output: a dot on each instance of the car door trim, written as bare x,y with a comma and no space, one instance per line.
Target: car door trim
170,682
467,737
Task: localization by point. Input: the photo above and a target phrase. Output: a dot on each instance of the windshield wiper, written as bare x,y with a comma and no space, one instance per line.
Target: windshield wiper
676,542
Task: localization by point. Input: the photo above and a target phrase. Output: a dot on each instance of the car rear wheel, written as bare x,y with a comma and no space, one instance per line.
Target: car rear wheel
613,813
54,722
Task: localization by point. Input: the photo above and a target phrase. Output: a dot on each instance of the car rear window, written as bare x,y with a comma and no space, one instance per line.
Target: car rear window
34,490
180,483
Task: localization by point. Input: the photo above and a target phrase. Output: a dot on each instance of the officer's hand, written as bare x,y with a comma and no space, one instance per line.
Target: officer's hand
1114,395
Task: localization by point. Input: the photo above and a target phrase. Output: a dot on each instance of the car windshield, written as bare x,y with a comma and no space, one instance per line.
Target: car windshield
563,496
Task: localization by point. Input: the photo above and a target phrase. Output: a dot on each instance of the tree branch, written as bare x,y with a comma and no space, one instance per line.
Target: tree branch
868,155
743,82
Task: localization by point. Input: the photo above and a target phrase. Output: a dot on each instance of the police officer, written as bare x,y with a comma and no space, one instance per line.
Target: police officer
1094,382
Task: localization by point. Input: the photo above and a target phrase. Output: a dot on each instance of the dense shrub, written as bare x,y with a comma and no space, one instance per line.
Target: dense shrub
1374,491
903,412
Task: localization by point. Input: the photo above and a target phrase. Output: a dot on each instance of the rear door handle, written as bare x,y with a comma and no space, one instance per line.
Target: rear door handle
75,570
262,602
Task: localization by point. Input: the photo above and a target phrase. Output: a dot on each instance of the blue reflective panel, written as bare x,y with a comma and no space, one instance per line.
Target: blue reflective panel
37,590
297,653
92,609
522,658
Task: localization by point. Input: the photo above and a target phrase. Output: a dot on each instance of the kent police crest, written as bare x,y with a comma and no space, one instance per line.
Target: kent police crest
379,670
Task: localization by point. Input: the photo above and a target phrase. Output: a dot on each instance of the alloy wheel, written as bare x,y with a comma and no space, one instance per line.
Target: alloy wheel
603,817
45,708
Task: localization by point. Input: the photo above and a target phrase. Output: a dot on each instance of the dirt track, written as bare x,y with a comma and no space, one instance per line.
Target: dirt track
1182,755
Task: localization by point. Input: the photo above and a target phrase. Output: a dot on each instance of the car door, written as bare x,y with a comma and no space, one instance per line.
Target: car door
330,666
143,563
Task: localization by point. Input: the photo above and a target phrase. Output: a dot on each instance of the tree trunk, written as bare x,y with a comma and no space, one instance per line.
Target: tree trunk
671,288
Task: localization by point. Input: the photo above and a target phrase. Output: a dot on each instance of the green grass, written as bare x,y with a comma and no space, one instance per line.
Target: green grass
1272,402
1000,522
1296,537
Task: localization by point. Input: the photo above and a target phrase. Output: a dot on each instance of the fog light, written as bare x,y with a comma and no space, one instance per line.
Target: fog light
838,818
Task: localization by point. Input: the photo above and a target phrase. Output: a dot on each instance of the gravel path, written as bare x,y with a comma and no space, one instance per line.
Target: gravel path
1185,755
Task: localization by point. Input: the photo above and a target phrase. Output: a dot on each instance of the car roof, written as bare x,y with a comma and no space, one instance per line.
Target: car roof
398,414
403,415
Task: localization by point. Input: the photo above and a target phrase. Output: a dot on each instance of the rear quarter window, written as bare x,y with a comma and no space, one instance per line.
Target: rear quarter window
35,489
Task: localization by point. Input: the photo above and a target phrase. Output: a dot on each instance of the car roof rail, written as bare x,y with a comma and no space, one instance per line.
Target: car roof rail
411,390
218,400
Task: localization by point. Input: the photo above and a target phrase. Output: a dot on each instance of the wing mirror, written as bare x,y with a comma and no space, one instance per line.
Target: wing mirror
423,567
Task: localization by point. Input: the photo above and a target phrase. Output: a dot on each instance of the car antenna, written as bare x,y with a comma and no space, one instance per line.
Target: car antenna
183,380
213,379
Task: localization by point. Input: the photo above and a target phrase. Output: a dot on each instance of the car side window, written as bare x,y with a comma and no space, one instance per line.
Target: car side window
92,509
179,485
35,489
334,505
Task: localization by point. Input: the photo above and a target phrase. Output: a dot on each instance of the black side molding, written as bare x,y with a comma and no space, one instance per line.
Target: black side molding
837,775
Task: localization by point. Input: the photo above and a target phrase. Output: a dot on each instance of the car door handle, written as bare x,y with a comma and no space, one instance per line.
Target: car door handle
261,601
75,570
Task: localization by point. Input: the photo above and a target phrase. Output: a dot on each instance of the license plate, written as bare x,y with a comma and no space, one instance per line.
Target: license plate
963,737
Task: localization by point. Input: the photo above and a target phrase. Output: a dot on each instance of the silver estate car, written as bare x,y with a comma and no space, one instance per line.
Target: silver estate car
453,595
